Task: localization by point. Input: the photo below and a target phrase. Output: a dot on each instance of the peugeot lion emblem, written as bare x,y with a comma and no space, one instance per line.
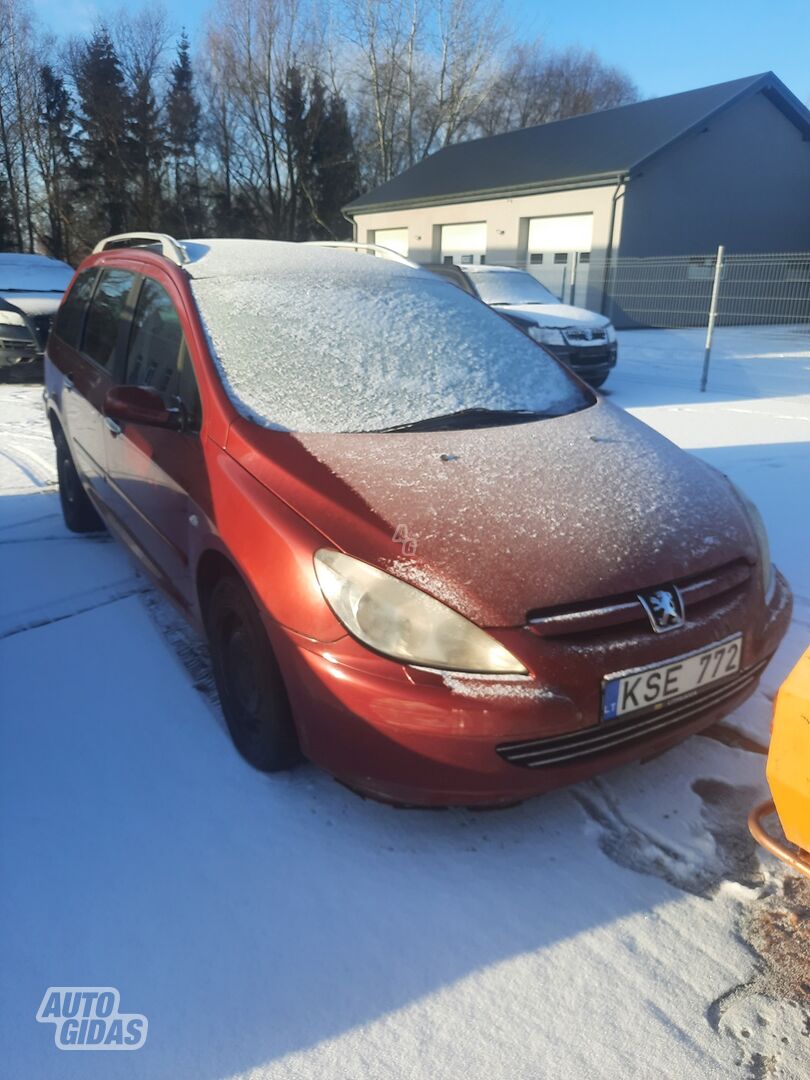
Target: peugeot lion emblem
664,608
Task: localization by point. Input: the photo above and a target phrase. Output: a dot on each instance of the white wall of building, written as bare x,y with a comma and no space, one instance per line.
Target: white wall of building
507,222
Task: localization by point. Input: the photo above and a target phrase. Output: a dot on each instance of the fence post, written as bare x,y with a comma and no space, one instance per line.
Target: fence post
718,267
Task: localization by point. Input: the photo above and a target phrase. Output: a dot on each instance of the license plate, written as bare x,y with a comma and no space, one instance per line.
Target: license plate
649,687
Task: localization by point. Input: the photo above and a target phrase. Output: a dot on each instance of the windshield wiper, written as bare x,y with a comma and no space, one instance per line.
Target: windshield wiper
471,418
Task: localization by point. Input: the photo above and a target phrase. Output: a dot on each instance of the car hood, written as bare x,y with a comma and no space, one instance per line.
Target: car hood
555,315
33,303
499,521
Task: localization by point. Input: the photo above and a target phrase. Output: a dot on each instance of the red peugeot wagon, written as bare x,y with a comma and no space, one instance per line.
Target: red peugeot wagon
424,554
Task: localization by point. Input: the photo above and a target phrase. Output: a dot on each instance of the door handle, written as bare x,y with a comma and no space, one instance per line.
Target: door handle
116,429
68,383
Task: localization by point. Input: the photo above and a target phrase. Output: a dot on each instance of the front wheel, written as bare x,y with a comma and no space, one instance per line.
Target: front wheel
251,689
79,513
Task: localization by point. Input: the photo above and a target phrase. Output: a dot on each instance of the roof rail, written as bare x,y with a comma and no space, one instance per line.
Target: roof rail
169,247
374,249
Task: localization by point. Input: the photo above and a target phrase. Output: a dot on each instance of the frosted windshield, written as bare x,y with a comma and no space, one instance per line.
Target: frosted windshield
325,341
508,287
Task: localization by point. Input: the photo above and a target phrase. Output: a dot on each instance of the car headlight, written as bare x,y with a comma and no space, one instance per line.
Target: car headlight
12,318
761,533
610,332
405,623
546,335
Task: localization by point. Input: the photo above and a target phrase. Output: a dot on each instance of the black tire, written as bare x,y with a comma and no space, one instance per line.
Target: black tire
251,689
79,513
597,380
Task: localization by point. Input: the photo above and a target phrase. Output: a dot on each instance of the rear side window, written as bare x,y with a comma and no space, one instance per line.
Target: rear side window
69,319
158,355
103,317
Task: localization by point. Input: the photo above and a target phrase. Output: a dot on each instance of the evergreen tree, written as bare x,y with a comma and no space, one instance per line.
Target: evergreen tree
147,141
298,134
337,172
54,151
7,238
105,151
183,123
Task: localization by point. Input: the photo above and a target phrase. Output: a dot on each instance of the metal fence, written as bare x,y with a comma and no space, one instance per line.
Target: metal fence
749,290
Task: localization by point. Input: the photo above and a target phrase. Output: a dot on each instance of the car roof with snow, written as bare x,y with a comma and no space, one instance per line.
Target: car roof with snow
215,258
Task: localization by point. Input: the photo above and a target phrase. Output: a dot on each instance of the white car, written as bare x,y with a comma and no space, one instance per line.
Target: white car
31,288
583,339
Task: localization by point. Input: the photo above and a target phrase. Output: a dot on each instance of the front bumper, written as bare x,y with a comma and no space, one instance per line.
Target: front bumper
17,346
588,361
415,737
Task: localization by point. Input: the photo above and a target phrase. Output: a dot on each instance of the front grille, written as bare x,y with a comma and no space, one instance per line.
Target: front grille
603,738
575,336
24,346
625,609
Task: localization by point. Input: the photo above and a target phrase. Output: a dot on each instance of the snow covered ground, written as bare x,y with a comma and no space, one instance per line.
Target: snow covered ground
283,927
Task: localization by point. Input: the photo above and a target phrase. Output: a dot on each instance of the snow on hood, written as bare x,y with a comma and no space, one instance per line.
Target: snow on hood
527,516
318,339
556,315
33,303
32,274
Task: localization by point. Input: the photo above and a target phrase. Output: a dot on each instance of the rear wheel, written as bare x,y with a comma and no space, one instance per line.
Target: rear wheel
79,513
251,689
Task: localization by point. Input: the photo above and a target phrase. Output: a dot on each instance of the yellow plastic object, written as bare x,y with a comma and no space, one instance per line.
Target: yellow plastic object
788,771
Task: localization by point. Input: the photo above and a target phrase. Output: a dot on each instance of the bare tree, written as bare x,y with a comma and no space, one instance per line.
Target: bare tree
420,71
18,115
540,85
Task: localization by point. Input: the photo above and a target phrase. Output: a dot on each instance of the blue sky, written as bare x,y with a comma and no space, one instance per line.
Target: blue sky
665,47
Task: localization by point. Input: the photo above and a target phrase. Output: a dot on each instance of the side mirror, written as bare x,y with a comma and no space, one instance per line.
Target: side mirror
141,405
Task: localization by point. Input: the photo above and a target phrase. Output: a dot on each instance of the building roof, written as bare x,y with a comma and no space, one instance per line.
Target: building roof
581,151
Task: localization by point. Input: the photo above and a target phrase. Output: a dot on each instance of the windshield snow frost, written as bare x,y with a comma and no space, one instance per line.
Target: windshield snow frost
508,287
320,340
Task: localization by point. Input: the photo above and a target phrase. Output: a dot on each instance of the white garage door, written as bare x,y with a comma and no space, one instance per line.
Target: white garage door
465,243
559,253
393,239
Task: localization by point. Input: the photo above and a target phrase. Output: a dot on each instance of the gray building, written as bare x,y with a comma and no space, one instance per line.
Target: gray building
676,175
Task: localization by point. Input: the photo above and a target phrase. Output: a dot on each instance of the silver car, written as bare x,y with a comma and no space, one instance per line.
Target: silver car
31,288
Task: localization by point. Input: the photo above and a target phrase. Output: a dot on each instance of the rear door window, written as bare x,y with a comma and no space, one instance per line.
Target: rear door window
103,321
158,355
70,317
